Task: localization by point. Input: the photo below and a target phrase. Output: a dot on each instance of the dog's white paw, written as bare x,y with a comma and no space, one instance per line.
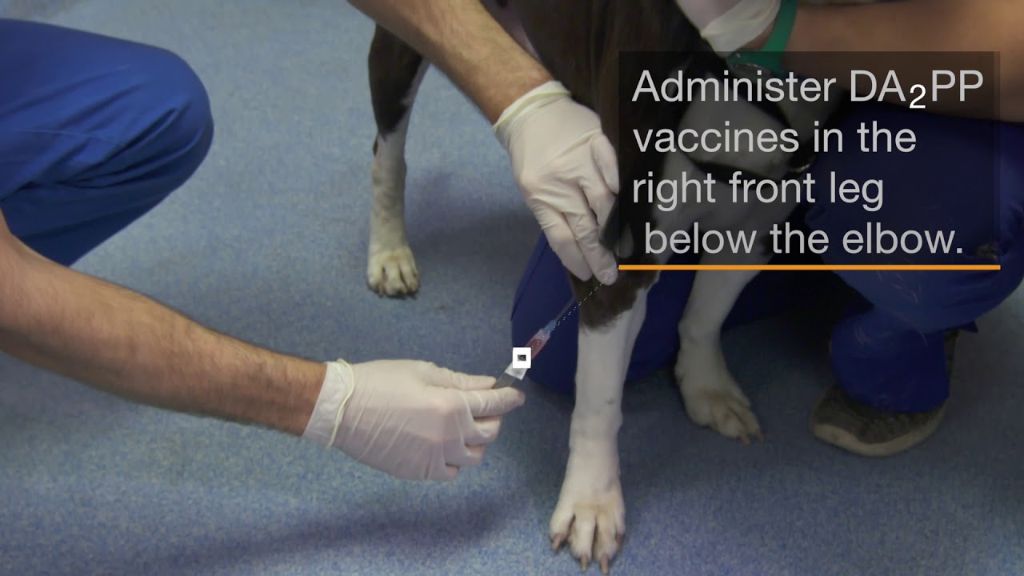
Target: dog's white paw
393,272
712,396
590,515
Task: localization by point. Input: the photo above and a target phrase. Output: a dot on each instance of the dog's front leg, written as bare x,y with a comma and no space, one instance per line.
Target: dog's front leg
590,513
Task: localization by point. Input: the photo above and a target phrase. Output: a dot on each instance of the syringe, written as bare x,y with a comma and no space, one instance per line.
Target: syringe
513,373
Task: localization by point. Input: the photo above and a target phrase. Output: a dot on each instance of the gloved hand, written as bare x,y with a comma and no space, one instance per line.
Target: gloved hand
567,171
729,25
413,420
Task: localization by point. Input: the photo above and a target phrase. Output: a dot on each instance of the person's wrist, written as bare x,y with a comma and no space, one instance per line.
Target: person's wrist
279,393
335,391
533,99
498,94
761,40
747,24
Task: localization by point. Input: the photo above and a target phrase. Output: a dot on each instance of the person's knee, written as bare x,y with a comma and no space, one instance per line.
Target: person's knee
177,122
186,105
934,301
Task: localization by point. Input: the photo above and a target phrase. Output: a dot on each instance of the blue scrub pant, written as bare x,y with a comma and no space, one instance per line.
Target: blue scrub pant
887,351
94,132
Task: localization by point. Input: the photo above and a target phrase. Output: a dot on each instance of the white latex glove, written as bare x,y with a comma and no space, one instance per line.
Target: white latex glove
567,171
413,420
729,25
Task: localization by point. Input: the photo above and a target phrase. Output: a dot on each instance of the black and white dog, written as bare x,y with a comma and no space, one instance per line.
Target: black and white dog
578,41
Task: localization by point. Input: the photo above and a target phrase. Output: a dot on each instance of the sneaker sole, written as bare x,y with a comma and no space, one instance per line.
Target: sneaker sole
843,439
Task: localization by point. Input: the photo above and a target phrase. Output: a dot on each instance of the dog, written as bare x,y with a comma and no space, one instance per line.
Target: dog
578,41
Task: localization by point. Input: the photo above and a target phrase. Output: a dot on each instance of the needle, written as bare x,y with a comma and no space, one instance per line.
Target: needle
515,371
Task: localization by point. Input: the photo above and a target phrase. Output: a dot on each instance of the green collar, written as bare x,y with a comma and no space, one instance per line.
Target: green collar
770,55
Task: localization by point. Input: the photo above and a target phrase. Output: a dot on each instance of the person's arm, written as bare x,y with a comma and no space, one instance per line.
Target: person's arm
129,345
410,419
470,47
563,163
920,26
903,26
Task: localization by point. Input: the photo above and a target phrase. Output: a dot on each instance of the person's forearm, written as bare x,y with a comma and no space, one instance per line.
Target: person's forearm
916,26
129,345
461,38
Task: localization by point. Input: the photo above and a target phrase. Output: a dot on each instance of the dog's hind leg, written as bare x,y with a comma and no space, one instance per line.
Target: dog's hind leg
395,73
711,394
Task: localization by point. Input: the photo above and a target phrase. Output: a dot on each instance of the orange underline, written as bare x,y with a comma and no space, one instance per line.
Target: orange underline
812,267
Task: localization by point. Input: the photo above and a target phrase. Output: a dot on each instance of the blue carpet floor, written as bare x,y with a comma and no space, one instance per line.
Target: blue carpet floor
267,242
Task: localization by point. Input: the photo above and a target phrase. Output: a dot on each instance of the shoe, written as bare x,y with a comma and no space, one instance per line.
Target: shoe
843,422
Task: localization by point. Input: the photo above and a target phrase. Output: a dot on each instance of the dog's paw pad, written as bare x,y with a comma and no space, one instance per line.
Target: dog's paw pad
393,272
